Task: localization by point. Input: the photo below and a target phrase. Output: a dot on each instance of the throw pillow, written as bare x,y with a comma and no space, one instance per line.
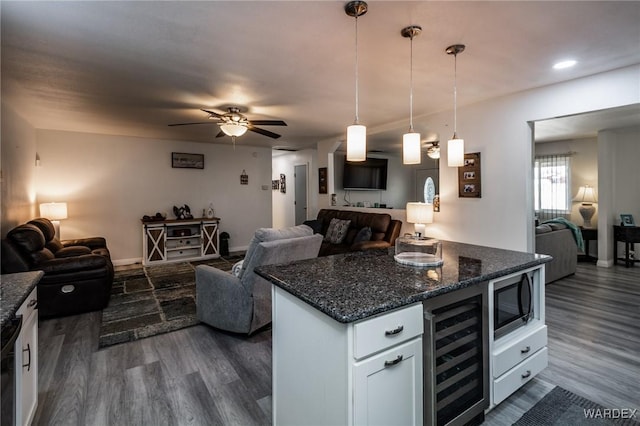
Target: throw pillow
363,235
337,230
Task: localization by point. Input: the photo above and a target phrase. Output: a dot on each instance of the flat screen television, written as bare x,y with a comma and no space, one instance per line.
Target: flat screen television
370,174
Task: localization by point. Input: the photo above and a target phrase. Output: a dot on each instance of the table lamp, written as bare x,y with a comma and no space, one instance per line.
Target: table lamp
586,196
54,212
419,214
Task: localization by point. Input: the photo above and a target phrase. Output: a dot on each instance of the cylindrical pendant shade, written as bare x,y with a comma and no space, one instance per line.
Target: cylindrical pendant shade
411,148
356,142
455,153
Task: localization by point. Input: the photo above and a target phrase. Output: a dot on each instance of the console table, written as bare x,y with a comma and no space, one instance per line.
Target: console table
179,240
629,235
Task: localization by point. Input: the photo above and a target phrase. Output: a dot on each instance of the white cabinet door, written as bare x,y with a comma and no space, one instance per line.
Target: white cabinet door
388,387
27,362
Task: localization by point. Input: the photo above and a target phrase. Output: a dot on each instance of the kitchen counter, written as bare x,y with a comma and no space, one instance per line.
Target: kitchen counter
14,289
359,285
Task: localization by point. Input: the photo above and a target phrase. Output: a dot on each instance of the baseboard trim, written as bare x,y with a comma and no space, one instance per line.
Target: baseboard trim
605,263
124,262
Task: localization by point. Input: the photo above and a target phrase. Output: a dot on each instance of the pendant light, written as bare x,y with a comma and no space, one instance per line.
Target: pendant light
411,140
356,133
455,148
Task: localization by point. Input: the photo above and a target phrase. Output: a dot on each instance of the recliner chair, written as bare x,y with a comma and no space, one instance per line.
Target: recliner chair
78,274
242,303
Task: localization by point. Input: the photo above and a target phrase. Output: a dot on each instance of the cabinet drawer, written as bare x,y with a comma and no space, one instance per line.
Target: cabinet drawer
507,356
375,334
518,376
29,306
183,242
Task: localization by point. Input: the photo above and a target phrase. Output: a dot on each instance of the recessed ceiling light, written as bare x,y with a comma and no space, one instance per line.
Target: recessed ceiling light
564,64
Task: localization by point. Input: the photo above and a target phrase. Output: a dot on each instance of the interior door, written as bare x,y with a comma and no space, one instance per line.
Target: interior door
300,177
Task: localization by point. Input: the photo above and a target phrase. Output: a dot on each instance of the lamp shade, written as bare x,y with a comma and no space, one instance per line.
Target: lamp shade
586,194
455,152
53,211
411,148
233,129
356,142
419,212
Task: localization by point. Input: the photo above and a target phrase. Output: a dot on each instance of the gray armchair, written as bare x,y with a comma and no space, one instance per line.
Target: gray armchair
242,304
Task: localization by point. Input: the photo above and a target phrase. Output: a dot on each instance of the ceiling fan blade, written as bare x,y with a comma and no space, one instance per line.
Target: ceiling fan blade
188,124
215,114
220,134
268,122
263,132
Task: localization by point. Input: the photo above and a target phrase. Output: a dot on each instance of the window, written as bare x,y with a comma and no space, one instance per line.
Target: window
552,186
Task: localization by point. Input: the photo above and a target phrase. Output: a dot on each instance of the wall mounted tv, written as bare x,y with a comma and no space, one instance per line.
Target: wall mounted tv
370,174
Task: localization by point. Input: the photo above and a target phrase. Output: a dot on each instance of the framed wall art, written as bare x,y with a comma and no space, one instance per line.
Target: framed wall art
469,182
322,180
283,183
183,160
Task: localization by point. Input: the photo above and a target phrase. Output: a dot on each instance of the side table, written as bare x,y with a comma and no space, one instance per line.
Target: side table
629,235
588,234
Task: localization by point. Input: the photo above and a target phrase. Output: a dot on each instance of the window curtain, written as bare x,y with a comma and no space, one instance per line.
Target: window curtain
552,186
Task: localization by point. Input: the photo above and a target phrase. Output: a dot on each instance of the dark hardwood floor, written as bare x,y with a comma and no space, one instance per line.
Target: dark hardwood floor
201,376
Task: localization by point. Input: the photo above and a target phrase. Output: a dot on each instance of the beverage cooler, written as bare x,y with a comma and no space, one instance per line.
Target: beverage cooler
455,351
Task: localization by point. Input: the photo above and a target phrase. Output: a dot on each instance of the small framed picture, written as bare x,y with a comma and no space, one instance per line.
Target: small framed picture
627,220
469,182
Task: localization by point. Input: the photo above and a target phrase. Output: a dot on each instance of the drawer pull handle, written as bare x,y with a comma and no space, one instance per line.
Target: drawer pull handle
394,362
28,351
527,374
525,350
395,331
32,303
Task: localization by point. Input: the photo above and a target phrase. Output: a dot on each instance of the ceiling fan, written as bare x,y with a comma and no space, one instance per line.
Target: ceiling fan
233,123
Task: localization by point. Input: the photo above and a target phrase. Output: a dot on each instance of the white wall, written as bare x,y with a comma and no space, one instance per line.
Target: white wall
110,182
283,203
17,174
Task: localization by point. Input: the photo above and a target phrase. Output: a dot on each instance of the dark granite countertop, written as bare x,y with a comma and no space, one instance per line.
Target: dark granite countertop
14,289
357,285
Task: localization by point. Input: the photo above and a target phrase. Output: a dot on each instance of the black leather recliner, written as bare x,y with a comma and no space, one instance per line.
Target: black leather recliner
78,274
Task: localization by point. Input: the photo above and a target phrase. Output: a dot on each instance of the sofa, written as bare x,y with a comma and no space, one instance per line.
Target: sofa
240,301
78,274
358,230
558,241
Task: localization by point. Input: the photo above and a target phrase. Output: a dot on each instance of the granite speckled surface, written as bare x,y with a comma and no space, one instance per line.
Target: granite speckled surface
14,289
355,286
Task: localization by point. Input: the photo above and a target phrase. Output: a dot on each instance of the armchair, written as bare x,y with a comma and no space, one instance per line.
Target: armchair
78,274
242,304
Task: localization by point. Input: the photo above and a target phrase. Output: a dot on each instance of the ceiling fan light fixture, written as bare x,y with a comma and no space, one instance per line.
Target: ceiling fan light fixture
356,133
434,151
233,129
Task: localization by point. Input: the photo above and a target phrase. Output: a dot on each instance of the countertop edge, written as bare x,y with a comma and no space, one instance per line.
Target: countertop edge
10,303
379,309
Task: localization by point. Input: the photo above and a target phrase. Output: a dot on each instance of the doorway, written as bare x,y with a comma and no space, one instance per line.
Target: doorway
300,189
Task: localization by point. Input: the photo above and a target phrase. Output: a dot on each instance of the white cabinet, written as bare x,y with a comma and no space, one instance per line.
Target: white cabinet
327,372
179,240
521,354
26,360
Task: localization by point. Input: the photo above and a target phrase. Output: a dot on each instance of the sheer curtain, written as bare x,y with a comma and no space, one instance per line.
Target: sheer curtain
552,186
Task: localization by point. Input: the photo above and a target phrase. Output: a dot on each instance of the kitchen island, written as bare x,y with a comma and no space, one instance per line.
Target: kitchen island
348,330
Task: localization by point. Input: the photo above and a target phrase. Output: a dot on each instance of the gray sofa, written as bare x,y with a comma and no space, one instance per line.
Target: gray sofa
557,241
242,303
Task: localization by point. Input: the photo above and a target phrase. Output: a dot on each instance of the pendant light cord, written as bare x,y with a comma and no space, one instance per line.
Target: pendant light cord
411,88
455,94
357,116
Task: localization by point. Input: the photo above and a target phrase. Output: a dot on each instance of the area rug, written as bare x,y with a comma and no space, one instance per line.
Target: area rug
563,408
146,301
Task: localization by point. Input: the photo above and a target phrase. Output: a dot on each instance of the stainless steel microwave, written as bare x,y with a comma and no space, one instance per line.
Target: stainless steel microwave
513,304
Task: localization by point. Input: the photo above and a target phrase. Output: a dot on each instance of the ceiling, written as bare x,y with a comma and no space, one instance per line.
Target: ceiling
132,68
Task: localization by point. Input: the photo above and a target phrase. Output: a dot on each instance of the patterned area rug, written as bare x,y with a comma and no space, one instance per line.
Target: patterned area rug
563,408
146,301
